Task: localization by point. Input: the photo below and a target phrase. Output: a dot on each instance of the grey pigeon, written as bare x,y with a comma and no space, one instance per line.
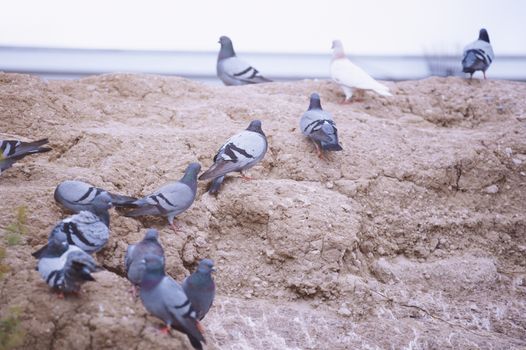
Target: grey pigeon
478,55
200,288
164,298
233,70
77,196
86,230
241,152
171,199
64,267
319,126
134,259
13,150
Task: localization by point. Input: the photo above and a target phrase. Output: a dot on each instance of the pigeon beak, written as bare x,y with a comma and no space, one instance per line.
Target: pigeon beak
213,269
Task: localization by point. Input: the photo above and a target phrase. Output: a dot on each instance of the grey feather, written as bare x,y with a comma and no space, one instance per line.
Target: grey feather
241,152
171,199
164,298
77,196
200,288
134,259
234,71
65,267
319,126
86,231
14,150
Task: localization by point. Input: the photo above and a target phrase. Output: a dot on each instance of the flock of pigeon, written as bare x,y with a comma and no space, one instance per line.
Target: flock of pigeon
66,261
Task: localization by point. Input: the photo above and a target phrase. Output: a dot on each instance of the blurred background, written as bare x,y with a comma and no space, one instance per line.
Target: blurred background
284,40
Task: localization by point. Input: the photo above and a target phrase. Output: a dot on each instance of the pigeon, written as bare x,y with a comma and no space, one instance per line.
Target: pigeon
134,259
200,288
233,70
241,152
64,267
349,76
13,150
164,298
77,196
87,230
478,55
171,199
319,126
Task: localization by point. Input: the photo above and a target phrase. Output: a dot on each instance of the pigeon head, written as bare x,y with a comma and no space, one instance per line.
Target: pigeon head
227,48
190,175
101,205
255,126
315,101
337,49
151,235
153,271
57,242
206,266
483,35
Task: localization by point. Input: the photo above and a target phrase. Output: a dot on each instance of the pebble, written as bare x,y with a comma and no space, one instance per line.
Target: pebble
492,189
344,310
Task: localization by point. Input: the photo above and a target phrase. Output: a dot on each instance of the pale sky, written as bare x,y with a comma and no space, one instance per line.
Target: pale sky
303,26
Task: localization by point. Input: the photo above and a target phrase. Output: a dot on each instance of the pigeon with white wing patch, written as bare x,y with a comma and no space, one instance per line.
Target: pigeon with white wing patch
351,77
241,152
234,71
478,55
171,199
318,125
13,150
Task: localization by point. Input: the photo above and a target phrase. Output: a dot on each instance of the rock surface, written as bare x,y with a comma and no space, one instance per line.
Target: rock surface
398,242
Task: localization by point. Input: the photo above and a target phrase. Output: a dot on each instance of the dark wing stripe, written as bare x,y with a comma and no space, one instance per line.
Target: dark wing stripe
51,275
86,195
316,125
243,72
158,205
254,73
230,148
183,304
72,229
165,199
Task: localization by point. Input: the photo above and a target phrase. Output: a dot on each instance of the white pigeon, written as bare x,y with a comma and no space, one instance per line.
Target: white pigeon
349,76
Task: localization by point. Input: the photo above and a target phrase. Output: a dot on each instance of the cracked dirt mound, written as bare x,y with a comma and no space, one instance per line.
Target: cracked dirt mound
413,237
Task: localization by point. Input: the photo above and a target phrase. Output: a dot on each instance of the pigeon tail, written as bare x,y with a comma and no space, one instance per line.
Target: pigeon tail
37,254
32,147
335,146
472,62
146,210
122,201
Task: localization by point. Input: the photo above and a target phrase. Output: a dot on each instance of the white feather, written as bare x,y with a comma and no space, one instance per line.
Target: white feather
349,75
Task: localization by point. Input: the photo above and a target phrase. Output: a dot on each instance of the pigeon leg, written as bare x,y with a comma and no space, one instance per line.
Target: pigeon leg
245,177
174,226
165,330
60,295
319,151
134,290
484,72
200,327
